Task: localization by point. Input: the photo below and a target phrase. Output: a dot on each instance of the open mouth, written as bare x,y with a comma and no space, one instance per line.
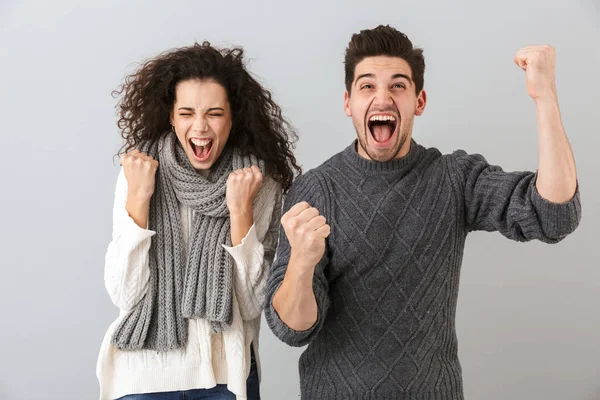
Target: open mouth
382,127
201,148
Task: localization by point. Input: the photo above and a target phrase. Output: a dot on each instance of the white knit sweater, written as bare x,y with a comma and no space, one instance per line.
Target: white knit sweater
208,359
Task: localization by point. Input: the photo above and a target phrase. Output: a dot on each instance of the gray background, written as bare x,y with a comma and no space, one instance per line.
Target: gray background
528,317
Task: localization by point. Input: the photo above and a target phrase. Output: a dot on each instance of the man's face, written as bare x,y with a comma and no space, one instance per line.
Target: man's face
383,104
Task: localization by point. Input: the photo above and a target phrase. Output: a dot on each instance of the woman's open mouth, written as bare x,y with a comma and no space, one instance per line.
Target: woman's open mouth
201,148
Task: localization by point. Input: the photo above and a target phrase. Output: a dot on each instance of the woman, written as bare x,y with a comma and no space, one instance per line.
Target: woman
206,158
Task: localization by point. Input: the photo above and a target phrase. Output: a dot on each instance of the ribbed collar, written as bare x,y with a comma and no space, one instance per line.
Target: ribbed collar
400,164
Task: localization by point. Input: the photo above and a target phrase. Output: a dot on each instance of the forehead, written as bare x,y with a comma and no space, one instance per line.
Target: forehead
382,67
200,92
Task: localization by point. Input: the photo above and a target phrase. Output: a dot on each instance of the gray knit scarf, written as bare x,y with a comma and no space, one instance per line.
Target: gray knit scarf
198,284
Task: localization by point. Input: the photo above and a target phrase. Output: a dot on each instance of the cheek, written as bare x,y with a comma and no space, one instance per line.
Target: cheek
359,109
182,125
222,129
181,136
407,109
353,106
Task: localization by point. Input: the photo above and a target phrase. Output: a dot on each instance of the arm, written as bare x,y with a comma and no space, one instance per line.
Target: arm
297,289
254,253
524,205
295,300
509,202
557,176
126,271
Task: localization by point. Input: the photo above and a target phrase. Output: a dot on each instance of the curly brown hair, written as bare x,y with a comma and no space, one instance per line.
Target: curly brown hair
258,126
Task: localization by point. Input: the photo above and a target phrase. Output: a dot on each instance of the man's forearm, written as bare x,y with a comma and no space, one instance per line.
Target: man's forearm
557,177
295,301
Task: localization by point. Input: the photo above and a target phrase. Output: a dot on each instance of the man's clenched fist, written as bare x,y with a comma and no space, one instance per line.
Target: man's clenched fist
306,231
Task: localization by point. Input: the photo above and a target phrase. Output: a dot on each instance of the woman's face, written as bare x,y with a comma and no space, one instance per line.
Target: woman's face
201,118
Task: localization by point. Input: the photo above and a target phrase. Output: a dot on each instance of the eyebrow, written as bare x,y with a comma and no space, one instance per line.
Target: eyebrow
209,110
395,76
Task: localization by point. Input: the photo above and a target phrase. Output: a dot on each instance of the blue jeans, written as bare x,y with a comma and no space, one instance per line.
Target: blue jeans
218,392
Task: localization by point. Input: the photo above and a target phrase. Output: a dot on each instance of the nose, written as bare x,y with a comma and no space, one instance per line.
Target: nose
200,123
383,97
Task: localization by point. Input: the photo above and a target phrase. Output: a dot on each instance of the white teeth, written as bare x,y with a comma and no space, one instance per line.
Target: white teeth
382,118
200,142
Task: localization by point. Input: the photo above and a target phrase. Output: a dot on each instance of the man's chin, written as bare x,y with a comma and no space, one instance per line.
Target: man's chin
383,154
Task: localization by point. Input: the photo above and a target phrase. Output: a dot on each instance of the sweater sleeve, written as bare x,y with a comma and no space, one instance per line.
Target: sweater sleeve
305,188
253,257
126,272
509,202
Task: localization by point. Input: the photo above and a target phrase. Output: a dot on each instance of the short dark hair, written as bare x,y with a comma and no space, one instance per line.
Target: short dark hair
383,41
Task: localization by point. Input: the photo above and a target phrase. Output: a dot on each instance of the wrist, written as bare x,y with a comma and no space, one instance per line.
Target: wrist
545,100
240,210
300,268
138,201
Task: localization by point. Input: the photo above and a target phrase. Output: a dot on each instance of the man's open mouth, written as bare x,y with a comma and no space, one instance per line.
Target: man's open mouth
382,127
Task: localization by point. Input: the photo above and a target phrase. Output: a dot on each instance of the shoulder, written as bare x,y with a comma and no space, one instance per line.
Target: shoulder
462,157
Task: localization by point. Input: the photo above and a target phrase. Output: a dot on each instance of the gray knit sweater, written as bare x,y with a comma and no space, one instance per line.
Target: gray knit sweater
387,286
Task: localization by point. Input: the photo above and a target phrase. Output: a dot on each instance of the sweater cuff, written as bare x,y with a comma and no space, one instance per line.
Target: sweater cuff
249,252
557,219
284,332
131,234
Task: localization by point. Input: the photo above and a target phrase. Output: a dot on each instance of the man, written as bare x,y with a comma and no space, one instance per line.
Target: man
368,264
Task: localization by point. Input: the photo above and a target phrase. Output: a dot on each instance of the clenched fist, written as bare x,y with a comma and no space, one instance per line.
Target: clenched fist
538,63
140,171
242,187
306,231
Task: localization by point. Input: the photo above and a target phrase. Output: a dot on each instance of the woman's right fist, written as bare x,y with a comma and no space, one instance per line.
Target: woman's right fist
140,171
